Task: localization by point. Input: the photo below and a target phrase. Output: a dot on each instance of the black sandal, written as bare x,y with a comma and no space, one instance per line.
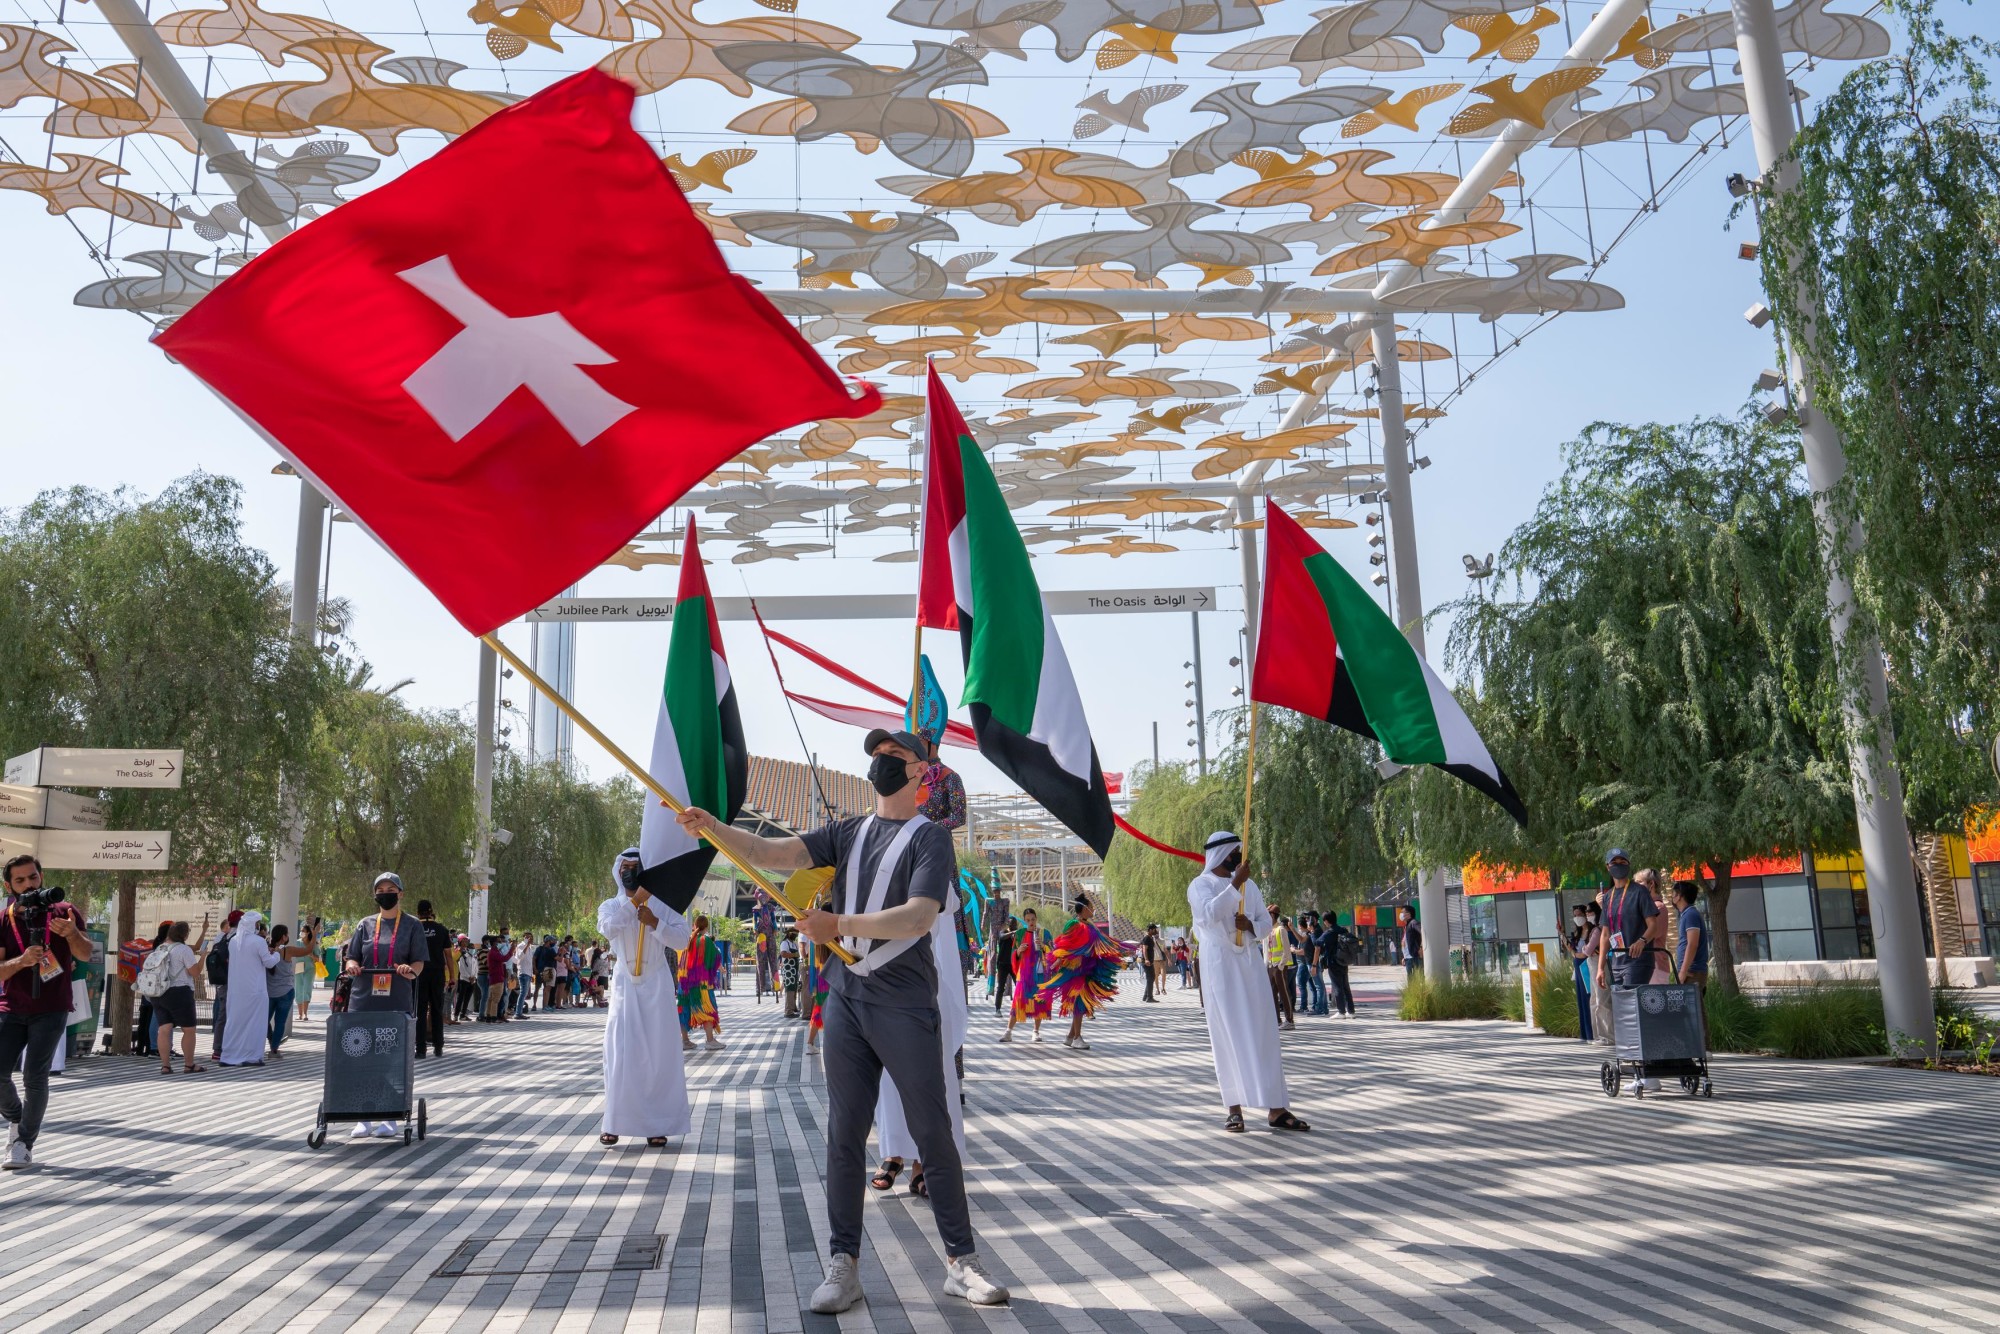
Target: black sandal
1284,1120
656,1141
607,1139
885,1176
917,1186
1234,1123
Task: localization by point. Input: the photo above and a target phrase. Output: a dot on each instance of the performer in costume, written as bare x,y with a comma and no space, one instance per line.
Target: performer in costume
701,960
1236,989
891,1126
1082,969
645,1086
1030,1001
893,872
815,993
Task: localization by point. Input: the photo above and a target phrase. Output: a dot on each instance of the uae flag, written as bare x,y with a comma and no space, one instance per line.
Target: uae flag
1325,648
698,752
974,575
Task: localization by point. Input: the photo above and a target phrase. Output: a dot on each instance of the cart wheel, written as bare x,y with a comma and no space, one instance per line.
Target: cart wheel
316,1138
1708,1088
1689,1084
422,1119
409,1132
1614,1078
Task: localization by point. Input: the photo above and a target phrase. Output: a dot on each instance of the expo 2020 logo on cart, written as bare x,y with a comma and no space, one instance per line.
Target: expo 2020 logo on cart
355,1042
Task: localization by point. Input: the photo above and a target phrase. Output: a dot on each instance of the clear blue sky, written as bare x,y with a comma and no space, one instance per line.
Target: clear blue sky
87,401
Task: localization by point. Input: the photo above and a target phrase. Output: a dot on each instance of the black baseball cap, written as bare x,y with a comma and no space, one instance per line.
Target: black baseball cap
1616,855
910,741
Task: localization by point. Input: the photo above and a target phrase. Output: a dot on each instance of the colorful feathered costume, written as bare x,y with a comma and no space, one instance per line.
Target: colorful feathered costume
700,962
1081,967
1030,954
815,989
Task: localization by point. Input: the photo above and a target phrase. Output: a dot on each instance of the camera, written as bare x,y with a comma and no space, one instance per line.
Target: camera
40,899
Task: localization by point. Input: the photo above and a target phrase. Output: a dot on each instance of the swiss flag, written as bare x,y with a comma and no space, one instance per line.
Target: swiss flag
513,357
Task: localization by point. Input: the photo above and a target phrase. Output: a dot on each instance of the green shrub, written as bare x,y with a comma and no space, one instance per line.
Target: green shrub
1555,1001
1510,1002
1482,996
1960,1027
1735,1022
1826,1022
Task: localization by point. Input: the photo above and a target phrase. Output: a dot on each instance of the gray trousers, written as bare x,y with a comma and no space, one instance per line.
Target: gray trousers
860,1042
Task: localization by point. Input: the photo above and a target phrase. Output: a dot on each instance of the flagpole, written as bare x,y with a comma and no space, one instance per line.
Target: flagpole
646,780
917,630
1249,783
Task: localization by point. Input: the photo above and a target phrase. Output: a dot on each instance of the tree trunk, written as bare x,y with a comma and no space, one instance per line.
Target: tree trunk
125,924
1940,893
1721,954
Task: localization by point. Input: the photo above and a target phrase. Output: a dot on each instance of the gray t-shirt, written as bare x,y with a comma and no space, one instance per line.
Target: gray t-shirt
926,871
407,946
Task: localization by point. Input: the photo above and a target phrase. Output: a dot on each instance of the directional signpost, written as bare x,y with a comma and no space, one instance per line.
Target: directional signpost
91,850
75,766
861,607
48,808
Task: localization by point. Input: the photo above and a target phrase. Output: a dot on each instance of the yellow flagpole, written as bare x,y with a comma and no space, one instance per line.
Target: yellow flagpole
1249,784
646,779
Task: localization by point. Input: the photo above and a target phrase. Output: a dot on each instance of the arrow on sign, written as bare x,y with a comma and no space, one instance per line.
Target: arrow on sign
167,768
157,849
1200,600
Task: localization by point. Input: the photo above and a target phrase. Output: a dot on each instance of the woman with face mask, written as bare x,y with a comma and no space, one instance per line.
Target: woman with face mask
1582,950
385,955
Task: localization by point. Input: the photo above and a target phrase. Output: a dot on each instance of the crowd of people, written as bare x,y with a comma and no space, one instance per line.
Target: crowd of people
1629,935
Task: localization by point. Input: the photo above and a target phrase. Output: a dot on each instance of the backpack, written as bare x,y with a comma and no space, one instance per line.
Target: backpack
218,964
153,974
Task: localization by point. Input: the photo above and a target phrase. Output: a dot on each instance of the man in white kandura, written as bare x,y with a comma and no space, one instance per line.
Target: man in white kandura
892,1127
645,1087
1235,988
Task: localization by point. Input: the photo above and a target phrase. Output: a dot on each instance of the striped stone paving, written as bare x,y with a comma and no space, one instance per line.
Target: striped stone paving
1460,1177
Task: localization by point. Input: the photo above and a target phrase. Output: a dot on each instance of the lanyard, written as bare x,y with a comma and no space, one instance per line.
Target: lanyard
377,942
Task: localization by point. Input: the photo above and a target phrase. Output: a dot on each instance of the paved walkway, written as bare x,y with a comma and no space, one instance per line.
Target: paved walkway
1459,1177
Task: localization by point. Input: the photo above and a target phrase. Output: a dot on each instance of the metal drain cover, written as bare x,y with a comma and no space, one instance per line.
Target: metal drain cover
511,1257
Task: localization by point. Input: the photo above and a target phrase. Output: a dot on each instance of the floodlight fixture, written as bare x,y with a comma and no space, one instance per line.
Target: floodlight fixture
1740,185
1748,250
1769,380
1375,539
502,837
1776,413
1379,580
1758,315
1378,559
1423,461
1369,497
1374,517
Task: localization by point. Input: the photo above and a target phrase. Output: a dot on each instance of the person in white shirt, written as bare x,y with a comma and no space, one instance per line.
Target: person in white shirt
175,1005
645,1084
1229,922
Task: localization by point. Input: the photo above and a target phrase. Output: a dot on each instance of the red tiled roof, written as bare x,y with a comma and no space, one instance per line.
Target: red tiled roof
782,791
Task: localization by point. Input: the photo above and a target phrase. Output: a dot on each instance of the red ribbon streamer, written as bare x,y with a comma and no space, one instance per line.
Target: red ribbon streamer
1154,843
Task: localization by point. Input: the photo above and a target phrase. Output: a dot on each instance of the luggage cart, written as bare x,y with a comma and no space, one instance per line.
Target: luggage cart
371,1067
1657,1032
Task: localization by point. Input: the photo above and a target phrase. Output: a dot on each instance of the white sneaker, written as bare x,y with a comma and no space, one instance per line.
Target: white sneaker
1007,1037
842,1288
966,1277
362,1130
1038,1035
17,1156
1648,1085
13,1135
1289,1025
388,1130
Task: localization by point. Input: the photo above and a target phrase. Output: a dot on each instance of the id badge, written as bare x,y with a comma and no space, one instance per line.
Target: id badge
379,983
1617,940
50,968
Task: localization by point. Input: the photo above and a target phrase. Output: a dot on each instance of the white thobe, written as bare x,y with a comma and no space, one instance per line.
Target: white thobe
645,1087
891,1127
1236,994
246,1026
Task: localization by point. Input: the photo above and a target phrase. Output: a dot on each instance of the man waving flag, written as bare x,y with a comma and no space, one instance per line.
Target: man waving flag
974,574
698,751
1326,649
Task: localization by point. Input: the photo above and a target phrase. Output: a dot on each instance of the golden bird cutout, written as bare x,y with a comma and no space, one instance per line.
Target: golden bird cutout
686,47
1114,547
1135,40
1407,238
1529,105
1140,502
631,558
1271,165
29,68
1400,111
1633,45
1348,182
350,97
512,29
1309,519
709,169
85,182
1002,303
1110,339
1039,184
1092,381
1513,40
155,116
1126,442
246,23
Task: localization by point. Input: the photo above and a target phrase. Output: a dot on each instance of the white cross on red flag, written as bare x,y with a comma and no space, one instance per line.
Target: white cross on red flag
513,357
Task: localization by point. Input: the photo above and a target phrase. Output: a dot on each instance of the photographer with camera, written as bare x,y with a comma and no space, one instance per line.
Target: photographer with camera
41,942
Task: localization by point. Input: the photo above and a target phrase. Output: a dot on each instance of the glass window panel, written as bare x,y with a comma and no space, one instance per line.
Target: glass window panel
1793,946
1842,944
1788,907
1513,916
1836,908
1542,917
1750,946
1746,907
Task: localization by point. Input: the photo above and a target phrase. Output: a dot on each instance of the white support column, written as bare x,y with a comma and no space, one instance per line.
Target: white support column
1407,587
287,861
552,653
1878,787
1246,511
482,795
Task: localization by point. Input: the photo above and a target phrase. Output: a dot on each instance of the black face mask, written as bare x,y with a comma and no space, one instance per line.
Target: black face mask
387,899
628,875
888,774
1230,863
